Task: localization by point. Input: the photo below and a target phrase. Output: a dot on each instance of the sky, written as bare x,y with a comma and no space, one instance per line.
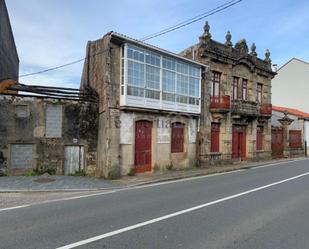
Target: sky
49,33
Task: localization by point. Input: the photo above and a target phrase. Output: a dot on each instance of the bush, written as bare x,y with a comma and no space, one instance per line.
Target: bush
131,172
31,173
81,172
169,166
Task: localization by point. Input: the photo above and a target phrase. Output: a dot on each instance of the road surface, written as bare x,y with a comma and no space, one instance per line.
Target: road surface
264,207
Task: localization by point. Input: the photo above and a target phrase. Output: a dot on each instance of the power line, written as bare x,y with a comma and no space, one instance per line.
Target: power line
151,36
192,20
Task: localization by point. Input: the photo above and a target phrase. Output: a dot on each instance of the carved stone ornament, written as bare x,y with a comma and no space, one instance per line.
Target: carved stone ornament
267,56
253,48
241,46
228,39
206,35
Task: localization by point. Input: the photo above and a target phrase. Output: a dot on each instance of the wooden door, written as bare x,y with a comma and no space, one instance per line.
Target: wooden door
239,142
143,146
215,138
73,159
277,142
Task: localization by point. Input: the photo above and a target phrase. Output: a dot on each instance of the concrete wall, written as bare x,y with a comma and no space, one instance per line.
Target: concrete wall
27,126
9,62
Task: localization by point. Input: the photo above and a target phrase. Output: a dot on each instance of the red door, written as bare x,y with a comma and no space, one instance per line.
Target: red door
143,146
239,142
277,142
215,138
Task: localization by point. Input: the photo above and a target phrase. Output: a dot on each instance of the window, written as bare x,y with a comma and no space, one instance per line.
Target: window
244,89
259,88
215,86
177,143
215,137
53,121
147,74
295,139
259,138
235,88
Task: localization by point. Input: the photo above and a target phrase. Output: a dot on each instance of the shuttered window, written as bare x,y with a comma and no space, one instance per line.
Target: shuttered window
177,143
295,139
259,138
235,88
215,137
215,86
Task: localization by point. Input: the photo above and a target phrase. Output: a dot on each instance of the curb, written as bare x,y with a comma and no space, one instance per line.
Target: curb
172,178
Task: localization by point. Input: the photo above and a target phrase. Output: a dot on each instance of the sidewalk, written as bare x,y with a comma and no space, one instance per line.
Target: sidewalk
75,183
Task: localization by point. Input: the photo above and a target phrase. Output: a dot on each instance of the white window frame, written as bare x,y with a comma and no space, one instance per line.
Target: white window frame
144,102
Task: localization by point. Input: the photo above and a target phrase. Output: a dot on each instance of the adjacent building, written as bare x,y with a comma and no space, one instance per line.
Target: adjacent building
290,86
236,103
9,62
288,132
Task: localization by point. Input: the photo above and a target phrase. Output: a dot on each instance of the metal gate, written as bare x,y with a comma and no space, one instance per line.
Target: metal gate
277,142
73,159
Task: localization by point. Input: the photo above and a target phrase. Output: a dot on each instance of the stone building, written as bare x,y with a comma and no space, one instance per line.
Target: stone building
236,109
48,135
288,132
9,62
149,109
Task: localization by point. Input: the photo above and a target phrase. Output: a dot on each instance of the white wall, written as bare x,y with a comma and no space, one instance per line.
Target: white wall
290,87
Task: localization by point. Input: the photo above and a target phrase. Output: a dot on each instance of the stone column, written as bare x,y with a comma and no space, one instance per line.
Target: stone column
285,122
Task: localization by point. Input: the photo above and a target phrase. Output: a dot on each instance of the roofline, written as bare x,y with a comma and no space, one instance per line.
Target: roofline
294,58
151,47
288,109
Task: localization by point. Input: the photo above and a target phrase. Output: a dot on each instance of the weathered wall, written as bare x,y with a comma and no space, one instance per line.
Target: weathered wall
9,61
27,125
162,157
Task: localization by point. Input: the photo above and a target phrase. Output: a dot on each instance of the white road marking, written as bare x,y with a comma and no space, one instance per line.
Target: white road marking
145,223
16,207
132,187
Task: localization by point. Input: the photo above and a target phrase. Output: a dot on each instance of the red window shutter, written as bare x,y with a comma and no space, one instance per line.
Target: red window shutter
295,139
259,138
215,138
177,143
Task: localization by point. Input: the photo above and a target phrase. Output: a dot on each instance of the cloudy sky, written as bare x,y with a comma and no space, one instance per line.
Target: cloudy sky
53,32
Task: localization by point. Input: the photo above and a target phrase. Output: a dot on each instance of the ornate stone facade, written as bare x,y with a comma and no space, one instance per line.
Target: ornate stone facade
241,100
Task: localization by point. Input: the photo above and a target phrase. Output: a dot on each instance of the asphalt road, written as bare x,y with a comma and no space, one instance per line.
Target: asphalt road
266,207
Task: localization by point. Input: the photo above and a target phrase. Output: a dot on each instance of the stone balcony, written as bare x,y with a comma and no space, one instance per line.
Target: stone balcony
220,104
245,108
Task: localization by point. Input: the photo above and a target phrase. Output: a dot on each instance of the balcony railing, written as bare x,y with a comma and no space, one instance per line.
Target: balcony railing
266,109
221,103
245,108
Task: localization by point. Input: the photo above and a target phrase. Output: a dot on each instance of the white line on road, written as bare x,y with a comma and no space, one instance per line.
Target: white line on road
16,207
145,223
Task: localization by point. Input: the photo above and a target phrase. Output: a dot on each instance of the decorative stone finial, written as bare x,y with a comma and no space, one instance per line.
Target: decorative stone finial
206,35
267,56
228,39
253,48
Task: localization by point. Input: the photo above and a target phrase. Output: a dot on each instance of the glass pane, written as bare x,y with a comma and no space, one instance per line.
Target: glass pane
182,99
182,84
153,59
168,81
135,53
152,77
169,64
136,75
152,94
193,87
135,91
182,68
168,97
